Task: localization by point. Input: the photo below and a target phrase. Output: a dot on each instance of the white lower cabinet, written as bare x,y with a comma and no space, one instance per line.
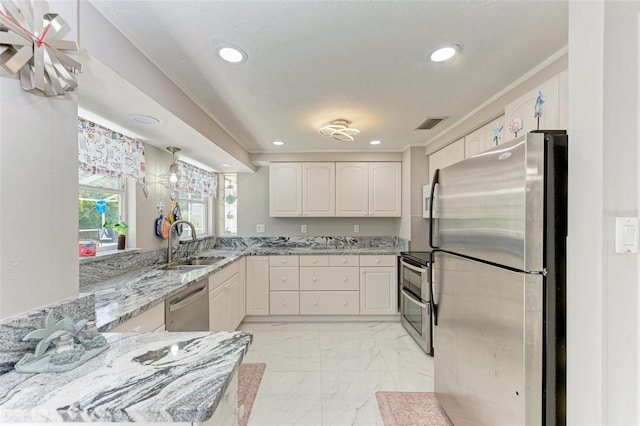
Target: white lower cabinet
227,412
257,285
331,278
284,302
329,303
378,285
224,299
149,321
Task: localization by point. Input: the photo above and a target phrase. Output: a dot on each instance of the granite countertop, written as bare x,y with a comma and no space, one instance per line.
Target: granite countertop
148,377
126,296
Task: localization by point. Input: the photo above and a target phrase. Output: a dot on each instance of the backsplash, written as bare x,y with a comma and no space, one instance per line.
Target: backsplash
13,329
243,243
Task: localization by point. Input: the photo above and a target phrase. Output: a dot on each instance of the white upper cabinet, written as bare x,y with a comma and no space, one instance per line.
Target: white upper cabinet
369,189
447,156
285,184
352,189
524,109
385,189
483,138
318,189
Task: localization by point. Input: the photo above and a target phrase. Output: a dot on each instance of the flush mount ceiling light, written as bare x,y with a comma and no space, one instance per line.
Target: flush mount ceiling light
144,119
172,178
231,54
278,143
375,142
445,53
340,130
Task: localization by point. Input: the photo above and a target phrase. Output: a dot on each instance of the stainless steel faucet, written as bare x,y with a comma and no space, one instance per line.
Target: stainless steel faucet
173,225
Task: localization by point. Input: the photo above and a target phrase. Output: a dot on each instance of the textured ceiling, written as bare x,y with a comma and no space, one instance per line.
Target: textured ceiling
310,62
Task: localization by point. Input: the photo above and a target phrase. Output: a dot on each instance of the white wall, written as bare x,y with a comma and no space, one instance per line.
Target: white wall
253,208
38,193
602,359
405,221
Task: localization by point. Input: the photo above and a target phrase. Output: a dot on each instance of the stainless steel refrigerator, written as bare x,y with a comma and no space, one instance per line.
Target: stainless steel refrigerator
499,246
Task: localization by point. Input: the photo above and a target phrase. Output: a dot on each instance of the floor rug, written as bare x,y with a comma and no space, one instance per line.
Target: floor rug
249,377
411,409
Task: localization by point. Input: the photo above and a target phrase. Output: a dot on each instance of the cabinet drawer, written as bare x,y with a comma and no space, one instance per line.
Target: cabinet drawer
373,260
284,278
329,303
283,260
323,278
335,260
223,275
284,303
314,260
148,321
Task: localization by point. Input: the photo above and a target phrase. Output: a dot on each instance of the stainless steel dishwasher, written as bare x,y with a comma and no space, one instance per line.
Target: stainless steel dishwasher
189,309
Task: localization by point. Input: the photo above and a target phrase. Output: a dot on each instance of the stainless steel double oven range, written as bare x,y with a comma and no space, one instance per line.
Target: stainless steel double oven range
415,297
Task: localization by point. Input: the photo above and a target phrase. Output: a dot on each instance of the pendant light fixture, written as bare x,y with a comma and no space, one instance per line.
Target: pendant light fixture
172,178
339,129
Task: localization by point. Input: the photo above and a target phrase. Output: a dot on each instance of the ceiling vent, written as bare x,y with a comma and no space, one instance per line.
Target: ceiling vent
430,123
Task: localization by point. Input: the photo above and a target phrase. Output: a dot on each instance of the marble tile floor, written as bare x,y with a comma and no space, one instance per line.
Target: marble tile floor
328,373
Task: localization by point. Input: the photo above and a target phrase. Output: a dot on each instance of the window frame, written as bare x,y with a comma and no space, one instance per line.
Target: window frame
205,201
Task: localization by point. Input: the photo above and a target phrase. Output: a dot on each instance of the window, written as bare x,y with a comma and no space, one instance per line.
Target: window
193,208
230,204
94,188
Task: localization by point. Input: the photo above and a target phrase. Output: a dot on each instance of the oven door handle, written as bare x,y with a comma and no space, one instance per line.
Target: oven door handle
413,300
413,268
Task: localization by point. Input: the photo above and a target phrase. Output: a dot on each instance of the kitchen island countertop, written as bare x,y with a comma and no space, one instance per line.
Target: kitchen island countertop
142,377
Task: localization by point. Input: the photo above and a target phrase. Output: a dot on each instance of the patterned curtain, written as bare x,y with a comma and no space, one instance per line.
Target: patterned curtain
197,180
105,152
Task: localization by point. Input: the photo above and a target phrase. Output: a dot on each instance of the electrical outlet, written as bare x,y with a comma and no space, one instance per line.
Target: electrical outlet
356,228
260,229
303,229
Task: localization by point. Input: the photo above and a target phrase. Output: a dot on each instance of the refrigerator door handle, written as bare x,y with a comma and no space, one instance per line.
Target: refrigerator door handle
430,279
436,181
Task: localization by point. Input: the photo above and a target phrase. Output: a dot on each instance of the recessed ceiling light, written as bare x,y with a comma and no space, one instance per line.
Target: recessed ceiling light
144,119
232,54
445,53
278,143
225,165
375,142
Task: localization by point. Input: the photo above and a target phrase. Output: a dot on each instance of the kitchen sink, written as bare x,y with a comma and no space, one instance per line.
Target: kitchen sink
183,267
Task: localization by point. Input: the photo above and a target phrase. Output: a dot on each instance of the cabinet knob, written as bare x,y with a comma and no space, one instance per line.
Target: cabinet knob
344,303
344,278
314,303
314,279
344,260
284,260
377,260
284,303
137,329
314,261
284,278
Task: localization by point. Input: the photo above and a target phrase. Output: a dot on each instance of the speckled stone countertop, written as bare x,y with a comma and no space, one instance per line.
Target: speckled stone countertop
147,377
126,296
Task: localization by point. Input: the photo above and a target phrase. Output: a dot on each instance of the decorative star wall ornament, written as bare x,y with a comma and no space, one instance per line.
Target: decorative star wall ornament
496,132
31,46
515,126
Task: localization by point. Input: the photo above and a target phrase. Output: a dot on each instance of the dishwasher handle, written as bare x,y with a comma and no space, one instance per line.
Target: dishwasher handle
178,303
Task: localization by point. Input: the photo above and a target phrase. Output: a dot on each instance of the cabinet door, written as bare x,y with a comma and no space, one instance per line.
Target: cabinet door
242,288
257,285
478,141
385,189
218,309
285,189
352,189
453,153
378,291
319,189
232,294
524,109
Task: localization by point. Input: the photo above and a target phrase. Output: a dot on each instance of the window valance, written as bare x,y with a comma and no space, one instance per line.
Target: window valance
197,180
105,152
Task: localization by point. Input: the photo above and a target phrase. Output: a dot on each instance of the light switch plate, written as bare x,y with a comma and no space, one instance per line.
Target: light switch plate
356,228
303,229
627,234
260,229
